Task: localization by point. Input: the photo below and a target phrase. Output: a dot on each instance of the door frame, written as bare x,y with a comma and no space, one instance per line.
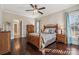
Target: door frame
17,24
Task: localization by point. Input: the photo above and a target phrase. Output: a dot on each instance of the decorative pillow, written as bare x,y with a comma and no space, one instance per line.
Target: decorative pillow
52,30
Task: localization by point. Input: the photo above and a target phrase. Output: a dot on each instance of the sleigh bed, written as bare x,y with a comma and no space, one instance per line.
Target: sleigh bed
44,38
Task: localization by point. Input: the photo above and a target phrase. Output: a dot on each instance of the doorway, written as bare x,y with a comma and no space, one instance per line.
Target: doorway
17,32
16,28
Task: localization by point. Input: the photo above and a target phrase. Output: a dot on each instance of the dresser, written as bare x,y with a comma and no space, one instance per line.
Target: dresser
61,38
30,28
5,42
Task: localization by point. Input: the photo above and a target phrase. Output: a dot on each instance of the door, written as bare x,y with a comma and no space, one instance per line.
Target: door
16,29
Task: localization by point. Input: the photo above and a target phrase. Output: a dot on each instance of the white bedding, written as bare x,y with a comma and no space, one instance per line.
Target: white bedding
47,38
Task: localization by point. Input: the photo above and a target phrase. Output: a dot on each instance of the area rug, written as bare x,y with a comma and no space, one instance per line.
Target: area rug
47,51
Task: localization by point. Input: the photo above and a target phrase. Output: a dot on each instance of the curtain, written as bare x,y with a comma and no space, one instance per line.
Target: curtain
68,27
74,27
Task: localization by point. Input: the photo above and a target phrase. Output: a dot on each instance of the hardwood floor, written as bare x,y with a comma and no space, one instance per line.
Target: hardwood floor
20,47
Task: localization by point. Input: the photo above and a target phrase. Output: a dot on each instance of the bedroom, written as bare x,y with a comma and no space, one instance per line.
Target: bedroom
15,19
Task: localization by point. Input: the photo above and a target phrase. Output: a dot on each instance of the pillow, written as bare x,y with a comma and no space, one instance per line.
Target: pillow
46,30
52,30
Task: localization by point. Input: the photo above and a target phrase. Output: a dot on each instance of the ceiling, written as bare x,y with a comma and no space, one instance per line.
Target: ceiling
20,9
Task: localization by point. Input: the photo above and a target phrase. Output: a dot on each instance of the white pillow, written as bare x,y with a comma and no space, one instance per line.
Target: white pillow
46,30
52,30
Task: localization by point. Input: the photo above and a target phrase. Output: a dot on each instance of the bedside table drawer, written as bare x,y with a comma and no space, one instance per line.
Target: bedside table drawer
58,38
61,38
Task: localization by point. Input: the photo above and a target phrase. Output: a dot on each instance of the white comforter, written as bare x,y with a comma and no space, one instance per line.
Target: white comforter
46,37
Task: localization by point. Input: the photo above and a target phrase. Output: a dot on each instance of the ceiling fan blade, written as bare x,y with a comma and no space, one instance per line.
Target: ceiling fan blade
41,8
28,10
32,5
36,6
40,12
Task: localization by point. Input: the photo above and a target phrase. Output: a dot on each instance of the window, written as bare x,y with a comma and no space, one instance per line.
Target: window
73,27
37,26
74,23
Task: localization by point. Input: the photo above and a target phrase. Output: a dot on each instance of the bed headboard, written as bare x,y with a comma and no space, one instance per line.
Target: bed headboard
51,26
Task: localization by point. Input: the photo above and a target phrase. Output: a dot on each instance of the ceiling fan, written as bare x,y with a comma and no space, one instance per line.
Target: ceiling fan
36,9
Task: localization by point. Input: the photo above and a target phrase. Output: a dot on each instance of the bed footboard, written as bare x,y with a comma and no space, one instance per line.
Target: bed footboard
35,40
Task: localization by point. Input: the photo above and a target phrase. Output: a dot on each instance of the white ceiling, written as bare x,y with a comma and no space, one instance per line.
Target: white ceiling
20,9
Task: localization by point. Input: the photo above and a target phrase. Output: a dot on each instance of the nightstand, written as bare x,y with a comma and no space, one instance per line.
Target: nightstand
61,38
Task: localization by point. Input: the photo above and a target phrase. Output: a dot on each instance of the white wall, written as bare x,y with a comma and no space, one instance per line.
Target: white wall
56,18
0,19
10,17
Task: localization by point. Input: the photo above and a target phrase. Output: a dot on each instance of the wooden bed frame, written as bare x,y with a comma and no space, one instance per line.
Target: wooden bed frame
35,40
52,26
